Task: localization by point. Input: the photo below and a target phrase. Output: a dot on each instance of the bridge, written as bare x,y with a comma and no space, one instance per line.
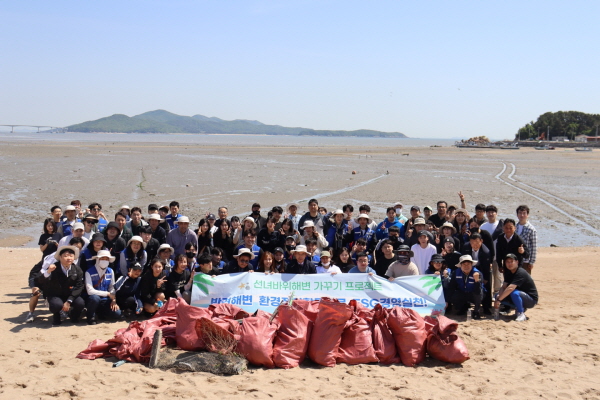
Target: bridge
52,128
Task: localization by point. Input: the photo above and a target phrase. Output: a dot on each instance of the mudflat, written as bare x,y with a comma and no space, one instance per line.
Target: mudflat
559,186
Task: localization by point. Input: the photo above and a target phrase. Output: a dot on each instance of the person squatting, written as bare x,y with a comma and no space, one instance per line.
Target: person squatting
128,267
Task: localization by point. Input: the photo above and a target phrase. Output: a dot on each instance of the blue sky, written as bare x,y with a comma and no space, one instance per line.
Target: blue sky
435,69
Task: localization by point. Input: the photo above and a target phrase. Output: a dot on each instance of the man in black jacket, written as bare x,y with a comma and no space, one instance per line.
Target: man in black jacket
63,285
510,243
301,264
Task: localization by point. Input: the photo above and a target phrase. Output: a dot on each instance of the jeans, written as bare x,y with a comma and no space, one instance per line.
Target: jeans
101,306
519,301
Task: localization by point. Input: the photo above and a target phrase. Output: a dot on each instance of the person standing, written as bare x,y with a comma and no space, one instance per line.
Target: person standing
529,235
180,236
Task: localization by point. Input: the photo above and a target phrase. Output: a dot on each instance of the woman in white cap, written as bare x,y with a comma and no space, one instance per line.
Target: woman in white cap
133,253
325,266
311,233
99,285
248,223
362,231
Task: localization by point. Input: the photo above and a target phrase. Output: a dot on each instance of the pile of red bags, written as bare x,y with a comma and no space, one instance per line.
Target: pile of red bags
327,331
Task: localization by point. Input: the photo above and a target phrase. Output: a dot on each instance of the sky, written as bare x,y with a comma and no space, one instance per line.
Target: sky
428,69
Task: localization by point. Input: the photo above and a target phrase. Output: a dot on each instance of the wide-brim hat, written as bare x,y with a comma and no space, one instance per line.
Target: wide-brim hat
90,216
461,210
336,212
62,248
183,219
369,220
70,208
104,253
244,251
165,246
156,217
419,221
448,225
137,239
125,206
300,249
292,204
308,224
464,258
249,219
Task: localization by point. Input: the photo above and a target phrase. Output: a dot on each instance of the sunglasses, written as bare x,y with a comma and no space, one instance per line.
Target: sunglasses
244,261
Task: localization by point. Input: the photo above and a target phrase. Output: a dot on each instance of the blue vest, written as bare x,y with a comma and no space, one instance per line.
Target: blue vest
470,285
368,235
103,285
67,228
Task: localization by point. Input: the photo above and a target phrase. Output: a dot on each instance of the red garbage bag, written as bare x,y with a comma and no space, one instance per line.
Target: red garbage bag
356,346
217,338
226,310
361,310
96,349
186,336
327,333
444,344
383,340
256,340
308,308
291,341
410,335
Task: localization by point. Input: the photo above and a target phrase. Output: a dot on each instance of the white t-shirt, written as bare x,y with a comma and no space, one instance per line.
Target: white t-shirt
332,268
422,256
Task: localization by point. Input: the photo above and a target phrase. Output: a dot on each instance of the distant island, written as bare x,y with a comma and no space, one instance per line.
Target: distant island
161,121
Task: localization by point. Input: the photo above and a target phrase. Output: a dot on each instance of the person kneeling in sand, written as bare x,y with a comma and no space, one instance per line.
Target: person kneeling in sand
63,285
467,286
518,290
127,292
99,284
152,287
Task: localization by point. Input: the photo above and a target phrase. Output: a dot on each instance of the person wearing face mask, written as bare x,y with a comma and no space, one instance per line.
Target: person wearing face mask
258,219
99,285
399,217
402,266
325,266
190,253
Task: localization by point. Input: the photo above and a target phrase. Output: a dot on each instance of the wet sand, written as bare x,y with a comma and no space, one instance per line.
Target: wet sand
560,186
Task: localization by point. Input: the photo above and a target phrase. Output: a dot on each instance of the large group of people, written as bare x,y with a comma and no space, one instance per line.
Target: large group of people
129,266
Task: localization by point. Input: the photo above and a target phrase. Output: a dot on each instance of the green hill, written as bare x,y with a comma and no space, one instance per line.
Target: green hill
161,121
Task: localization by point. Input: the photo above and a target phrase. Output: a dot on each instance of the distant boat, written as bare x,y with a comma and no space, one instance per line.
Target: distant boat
473,146
512,146
583,149
546,147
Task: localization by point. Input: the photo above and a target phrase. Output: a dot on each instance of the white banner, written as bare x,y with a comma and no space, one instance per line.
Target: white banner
252,291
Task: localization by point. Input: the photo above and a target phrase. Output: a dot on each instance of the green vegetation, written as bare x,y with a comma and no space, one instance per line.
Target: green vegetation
161,121
561,123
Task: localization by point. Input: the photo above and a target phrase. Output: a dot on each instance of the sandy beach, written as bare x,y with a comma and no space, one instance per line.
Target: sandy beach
553,355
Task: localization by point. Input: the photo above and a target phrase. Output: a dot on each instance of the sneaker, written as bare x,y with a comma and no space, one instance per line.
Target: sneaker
30,317
521,317
91,321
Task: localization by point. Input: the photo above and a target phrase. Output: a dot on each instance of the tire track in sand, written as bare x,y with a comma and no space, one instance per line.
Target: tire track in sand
587,212
584,224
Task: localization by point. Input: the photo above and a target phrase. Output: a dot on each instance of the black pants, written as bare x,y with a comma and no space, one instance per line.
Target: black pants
486,297
461,300
128,303
56,304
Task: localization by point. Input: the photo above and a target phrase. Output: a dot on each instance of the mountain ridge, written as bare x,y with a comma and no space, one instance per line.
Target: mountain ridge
162,121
